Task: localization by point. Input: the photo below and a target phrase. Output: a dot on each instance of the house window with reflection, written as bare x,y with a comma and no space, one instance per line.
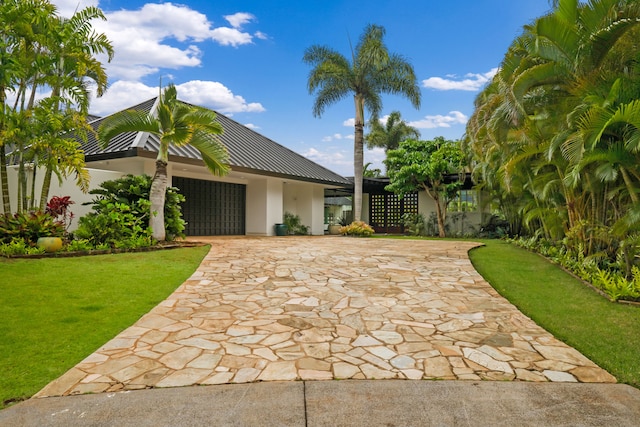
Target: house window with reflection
465,201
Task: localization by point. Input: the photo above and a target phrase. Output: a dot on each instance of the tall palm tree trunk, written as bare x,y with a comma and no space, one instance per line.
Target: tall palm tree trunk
157,197
4,179
358,158
46,187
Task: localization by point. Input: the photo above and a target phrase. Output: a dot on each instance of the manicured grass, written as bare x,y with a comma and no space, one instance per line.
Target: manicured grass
57,311
606,332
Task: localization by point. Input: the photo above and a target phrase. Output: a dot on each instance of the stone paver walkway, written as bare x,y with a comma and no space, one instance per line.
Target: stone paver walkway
319,308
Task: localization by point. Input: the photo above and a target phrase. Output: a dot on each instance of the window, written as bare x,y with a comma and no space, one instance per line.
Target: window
465,201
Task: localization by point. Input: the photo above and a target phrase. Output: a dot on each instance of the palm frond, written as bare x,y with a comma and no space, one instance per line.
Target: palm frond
125,121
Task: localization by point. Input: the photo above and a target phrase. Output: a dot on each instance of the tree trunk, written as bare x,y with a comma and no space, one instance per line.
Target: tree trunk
6,203
440,216
46,186
157,197
439,212
629,185
358,158
4,179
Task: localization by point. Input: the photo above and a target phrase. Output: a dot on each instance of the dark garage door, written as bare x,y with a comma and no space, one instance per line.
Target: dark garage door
212,208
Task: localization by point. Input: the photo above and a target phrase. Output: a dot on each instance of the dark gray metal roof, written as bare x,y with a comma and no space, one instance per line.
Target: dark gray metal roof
249,152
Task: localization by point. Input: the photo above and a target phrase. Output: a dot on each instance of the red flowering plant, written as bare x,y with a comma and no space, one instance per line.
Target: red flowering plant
58,207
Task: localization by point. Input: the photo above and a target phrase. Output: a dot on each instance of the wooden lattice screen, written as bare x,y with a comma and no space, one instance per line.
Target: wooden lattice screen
387,210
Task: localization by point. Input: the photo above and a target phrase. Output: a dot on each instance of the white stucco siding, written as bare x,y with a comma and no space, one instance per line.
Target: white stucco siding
67,188
307,201
264,205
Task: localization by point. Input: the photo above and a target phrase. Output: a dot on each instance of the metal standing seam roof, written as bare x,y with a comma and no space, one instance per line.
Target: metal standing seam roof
248,150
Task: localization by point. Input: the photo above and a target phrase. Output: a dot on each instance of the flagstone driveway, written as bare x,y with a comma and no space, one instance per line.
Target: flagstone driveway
321,308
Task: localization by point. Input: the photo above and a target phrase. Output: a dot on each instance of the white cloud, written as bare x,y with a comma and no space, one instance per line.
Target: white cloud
68,7
160,36
237,20
471,82
440,121
337,160
122,94
349,122
214,95
230,36
340,160
251,126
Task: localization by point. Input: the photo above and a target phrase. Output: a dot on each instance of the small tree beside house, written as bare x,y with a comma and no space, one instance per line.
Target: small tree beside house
424,165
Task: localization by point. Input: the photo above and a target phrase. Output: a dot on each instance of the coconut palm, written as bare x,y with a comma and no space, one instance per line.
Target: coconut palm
371,72
174,123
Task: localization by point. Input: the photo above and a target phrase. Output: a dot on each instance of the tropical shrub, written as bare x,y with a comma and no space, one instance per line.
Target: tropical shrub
415,224
18,246
121,212
79,245
111,223
357,228
29,226
294,224
58,207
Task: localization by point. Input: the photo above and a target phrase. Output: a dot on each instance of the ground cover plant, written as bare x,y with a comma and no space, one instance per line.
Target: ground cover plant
57,311
604,331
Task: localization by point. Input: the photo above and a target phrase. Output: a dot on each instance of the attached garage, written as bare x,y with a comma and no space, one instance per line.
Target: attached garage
212,208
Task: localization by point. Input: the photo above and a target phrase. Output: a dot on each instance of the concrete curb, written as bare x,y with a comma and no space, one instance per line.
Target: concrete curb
342,403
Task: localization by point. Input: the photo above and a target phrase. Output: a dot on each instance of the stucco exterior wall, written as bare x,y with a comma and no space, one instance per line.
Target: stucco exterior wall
67,188
264,206
307,201
458,223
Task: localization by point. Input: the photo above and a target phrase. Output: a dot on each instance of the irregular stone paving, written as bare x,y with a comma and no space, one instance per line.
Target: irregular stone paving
319,308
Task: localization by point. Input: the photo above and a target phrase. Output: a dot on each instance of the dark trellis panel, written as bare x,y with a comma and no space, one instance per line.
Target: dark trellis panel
387,210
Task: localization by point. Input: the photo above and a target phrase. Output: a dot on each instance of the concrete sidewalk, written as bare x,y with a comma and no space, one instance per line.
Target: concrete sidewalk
342,403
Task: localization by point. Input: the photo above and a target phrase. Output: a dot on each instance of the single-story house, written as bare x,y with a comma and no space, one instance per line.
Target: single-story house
266,180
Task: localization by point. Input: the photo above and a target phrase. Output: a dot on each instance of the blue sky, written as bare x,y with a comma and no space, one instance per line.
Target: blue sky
244,59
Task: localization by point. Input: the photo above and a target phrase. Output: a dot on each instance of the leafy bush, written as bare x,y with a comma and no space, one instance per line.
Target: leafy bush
29,226
58,207
415,224
121,212
79,245
294,224
357,228
113,222
19,247
494,227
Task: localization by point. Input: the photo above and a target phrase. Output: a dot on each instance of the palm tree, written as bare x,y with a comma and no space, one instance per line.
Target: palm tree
389,136
22,21
174,123
71,48
559,124
371,72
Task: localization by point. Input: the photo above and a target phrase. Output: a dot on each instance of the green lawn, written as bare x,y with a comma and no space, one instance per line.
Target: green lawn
606,332
57,311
